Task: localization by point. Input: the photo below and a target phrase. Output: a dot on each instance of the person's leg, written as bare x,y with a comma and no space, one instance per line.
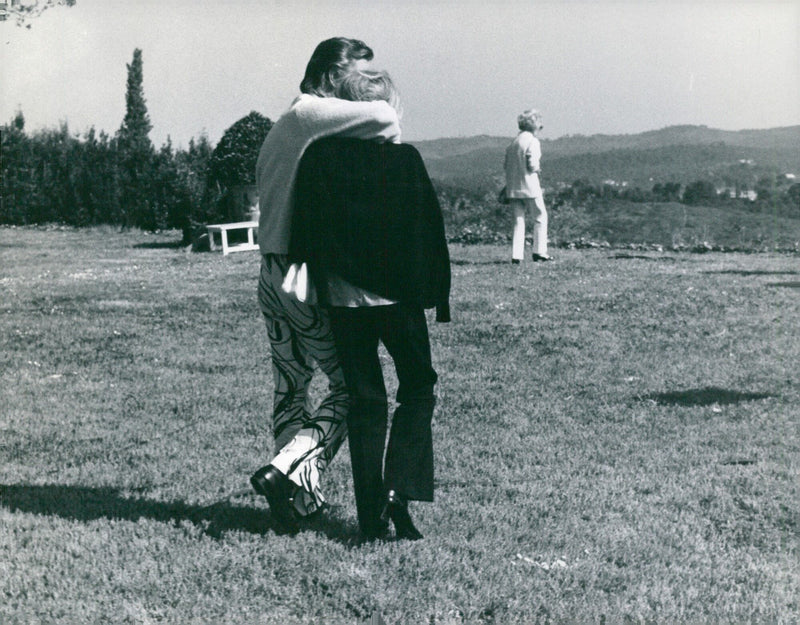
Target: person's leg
292,369
408,467
518,238
306,457
357,331
307,442
539,227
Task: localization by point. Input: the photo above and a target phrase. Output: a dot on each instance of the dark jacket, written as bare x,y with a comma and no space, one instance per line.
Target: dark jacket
368,213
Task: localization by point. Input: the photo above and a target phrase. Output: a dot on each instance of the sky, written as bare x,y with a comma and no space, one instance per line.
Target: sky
463,68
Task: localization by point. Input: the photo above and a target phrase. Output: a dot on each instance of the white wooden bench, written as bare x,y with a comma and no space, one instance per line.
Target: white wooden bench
223,229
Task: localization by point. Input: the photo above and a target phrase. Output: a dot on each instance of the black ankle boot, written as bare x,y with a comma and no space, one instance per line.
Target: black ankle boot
377,531
277,488
397,510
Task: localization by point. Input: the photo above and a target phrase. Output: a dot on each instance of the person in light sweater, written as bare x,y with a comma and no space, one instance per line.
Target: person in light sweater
306,439
523,188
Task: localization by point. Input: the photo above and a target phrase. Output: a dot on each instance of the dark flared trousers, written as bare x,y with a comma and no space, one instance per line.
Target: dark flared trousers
408,464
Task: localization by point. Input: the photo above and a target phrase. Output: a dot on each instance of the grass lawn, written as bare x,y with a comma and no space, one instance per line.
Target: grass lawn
616,436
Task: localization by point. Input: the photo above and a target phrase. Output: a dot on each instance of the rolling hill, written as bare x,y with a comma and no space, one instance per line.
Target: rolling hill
673,154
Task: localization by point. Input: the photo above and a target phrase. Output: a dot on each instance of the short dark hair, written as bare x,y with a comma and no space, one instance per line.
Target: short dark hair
330,62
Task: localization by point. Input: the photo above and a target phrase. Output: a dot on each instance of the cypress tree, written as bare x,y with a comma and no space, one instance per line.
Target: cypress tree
136,151
136,127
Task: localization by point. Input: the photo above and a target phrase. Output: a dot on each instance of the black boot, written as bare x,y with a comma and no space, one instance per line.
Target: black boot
378,531
397,510
277,488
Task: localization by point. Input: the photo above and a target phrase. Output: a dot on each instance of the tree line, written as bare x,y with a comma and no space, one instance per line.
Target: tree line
776,194
53,175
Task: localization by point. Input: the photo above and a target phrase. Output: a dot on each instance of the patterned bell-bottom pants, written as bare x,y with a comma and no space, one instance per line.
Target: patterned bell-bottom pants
306,439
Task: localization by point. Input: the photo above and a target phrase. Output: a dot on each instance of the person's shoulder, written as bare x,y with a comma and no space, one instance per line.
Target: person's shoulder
308,101
330,150
401,153
334,142
325,146
305,99
310,105
527,140
291,114
400,148
336,148
519,142
306,105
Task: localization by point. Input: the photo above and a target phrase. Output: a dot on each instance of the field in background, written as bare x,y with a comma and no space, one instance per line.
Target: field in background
618,223
616,439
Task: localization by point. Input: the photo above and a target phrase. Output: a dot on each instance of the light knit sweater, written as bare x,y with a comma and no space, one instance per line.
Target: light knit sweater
522,167
308,119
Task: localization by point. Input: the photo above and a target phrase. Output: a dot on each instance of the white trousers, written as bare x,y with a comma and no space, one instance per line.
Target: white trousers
536,207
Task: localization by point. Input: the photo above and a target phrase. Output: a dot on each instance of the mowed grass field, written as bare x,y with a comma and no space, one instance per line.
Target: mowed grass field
616,437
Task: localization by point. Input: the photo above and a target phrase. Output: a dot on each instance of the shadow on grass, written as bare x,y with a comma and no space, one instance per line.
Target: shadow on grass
457,262
80,503
790,285
641,257
755,272
161,245
704,397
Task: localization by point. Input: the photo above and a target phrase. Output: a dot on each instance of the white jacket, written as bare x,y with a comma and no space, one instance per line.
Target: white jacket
522,167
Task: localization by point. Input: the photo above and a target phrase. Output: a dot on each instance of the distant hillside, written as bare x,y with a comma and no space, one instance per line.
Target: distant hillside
444,148
772,139
673,154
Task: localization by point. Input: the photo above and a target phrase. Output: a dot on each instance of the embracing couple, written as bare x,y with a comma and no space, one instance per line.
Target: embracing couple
343,199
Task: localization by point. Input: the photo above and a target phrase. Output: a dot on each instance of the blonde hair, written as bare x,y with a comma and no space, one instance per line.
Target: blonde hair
367,86
530,120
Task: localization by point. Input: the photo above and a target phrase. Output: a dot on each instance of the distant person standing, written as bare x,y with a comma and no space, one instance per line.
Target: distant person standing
523,188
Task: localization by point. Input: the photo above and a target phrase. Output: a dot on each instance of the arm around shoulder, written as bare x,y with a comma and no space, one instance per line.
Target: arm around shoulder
359,120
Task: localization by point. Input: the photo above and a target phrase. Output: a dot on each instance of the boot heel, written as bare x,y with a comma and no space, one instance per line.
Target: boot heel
397,510
276,487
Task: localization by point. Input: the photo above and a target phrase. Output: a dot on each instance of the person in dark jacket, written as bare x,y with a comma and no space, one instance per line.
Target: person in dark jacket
306,438
368,224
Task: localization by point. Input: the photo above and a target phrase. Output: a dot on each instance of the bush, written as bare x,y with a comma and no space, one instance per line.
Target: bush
699,192
232,166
